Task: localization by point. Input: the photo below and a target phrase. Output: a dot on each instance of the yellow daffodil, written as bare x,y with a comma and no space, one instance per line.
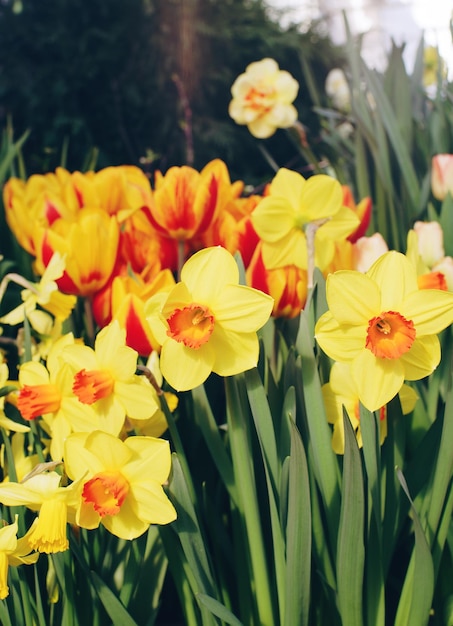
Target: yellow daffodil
208,322
292,204
45,294
263,97
341,391
105,379
46,391
42,492
13,551
120,482
384,326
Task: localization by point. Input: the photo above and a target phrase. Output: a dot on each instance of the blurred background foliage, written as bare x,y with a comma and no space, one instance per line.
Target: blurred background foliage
130,80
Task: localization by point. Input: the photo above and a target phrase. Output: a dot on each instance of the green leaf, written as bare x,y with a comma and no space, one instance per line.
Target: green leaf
218,609
210,431
350,547
115,609
298,535
418,589
188,529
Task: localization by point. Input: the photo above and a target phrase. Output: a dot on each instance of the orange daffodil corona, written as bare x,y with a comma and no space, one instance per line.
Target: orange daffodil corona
384,326
208,321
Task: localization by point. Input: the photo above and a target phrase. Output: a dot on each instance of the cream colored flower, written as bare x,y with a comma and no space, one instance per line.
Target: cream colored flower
262,98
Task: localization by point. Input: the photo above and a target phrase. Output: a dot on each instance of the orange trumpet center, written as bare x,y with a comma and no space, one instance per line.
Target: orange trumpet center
92,385
106,491
192,325
38,400
390,335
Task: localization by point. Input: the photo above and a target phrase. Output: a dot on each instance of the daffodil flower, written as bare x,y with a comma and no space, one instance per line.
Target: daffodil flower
42,492
46,391
45,294
262,98
208,322
341,391
120,482
384,326
13,551
105,379
293,203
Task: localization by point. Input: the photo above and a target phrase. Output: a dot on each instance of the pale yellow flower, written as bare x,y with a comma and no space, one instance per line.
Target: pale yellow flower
262,98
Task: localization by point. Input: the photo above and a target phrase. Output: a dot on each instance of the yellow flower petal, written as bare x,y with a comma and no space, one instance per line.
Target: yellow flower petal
377,380
273,218
185,368
235,352
431,310
353,298
242,308
322,197
207,272
340,342
422,359
396,277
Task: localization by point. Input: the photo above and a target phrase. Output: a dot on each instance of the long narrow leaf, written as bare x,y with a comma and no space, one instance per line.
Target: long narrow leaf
351,549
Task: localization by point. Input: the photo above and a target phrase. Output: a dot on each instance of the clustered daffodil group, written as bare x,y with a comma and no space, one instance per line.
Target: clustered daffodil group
154,266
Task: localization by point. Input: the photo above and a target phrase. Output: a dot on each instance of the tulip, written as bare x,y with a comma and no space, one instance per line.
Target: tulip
442,175
90,246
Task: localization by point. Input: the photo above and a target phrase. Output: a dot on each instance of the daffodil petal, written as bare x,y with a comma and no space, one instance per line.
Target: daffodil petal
288,185
235,352
422,359
151,503
353,298
291,250
242,308
137,398
340,342
396,277
152,459
322,197
125,525
431,310
377,380
208,271
273,218
185,368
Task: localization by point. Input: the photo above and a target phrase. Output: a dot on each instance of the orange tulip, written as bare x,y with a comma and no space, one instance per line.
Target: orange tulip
122,190
362,210
124,300
287,285
185,202
142,246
